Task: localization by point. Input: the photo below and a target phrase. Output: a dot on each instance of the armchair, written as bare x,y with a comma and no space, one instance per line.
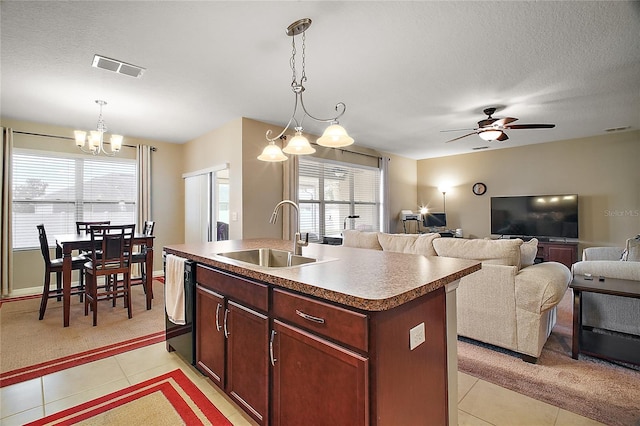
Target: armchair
605,311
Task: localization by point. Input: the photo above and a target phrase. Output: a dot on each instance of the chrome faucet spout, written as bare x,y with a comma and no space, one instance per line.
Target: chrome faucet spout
298,243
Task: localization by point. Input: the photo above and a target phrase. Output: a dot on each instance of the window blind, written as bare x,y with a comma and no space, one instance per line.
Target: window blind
58,191
329,191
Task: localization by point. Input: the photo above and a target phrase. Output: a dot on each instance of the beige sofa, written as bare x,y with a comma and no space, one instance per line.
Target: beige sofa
509,303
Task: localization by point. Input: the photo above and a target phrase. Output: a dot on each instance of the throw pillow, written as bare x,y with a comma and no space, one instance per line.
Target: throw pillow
399,243
632,250
528,252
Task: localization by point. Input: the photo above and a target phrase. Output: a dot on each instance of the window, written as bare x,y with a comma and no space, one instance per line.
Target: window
330,191
58,191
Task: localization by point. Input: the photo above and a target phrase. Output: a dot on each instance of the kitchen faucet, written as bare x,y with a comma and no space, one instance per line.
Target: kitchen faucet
298,243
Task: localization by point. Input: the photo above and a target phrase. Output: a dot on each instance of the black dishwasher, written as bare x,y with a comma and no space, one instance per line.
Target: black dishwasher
181,338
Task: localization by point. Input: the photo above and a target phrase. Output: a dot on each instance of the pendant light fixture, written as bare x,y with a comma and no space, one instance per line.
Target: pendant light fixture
334,136
95,141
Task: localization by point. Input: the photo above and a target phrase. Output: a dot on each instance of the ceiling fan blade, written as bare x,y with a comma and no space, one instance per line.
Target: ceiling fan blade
503,137
504,121
530,126
468,134
457,130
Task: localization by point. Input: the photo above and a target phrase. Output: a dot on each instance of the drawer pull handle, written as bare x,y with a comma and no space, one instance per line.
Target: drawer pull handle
218,326
310,317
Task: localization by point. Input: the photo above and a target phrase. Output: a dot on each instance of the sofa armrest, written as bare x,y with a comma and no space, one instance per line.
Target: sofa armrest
602,253
608,268
541,286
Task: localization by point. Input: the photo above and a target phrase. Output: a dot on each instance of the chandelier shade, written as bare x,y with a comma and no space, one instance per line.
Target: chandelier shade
334,136
95,140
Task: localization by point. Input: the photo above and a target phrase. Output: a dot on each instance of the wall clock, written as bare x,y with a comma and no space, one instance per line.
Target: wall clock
479,188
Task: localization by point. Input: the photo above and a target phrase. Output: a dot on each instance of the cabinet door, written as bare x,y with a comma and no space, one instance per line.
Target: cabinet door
317,382
248,361
565,255
210,341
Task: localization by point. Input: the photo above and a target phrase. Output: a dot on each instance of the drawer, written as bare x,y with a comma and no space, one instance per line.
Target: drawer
235,288
331,321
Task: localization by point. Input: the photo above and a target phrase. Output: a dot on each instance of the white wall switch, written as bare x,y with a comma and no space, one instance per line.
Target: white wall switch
234,216
416,336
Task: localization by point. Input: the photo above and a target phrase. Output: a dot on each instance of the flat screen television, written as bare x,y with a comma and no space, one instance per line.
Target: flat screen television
432,220
546,216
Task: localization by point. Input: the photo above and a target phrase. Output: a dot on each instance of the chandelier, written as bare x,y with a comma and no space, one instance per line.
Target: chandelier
95,140
334,136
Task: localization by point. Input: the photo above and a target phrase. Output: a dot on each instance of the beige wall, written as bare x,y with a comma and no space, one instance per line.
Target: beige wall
166,168
603,171
220,146
403,179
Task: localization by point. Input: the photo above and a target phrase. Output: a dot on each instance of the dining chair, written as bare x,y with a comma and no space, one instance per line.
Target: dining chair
139,257
115,242
83,227
55,266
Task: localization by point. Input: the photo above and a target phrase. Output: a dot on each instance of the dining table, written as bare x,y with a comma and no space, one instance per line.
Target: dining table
67,243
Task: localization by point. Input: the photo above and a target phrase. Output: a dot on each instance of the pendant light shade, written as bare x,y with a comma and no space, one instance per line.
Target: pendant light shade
335,136
272,152
299,145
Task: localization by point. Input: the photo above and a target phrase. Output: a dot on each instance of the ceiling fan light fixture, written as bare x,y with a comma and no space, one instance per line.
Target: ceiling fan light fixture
335,136
490,135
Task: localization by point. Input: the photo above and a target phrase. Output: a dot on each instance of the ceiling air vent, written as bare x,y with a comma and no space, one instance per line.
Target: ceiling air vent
117,66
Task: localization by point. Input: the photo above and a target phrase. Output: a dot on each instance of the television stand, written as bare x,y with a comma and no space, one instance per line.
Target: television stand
557,251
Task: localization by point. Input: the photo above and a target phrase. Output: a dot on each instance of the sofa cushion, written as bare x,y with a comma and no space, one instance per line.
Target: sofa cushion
528,252
632,250
408,243
353,238
496,252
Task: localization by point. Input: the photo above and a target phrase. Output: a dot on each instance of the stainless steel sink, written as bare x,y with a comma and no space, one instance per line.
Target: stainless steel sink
270,258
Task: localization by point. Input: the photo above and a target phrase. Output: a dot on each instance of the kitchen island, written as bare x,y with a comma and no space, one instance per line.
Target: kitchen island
357,337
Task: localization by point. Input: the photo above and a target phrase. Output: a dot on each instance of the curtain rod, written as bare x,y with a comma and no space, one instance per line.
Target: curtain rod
350,152
153,148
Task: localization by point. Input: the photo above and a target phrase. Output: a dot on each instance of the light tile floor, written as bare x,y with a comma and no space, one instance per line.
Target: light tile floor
480,402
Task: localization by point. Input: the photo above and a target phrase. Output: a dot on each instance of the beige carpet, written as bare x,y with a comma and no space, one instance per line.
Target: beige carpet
593,388
25,341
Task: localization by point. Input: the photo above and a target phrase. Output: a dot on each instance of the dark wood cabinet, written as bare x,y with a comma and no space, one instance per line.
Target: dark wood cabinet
210,341
565,253
232,339
290,359
247,360
317,382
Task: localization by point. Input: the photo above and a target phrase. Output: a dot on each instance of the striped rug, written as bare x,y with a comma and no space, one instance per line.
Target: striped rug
169,399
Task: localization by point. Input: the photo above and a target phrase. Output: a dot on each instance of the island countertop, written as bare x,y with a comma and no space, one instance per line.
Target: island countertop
370,280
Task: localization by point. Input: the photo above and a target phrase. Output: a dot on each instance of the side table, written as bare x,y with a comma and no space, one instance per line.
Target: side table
607,346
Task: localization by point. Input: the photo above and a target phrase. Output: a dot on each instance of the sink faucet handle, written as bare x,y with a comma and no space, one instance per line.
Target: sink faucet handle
305,242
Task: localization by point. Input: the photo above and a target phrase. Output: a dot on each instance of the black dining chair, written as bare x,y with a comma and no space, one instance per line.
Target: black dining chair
55,266
83,227
115,243
139,257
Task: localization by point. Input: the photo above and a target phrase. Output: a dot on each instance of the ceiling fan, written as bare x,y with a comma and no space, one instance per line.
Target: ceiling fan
491,129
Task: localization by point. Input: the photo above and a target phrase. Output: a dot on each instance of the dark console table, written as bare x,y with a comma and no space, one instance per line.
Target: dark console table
555,251
607,346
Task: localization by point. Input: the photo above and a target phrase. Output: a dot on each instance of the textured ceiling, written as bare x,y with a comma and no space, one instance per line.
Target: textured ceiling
405,70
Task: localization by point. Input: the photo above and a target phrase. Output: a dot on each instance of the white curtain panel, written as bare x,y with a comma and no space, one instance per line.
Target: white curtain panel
6,251
143,157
